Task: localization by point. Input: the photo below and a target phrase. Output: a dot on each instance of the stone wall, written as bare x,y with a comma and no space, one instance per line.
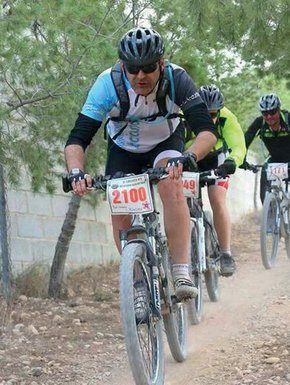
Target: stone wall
36,221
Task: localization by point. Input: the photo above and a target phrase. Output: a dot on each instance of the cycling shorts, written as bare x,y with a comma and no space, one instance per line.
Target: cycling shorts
130,162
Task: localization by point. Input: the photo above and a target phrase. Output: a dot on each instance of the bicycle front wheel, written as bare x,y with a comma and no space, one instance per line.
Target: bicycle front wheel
211,275
270,230
175,318
142,331
195,306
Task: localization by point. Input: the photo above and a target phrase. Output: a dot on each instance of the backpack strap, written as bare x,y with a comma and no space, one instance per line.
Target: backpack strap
287,122
163,89
120,88
265,126
122,94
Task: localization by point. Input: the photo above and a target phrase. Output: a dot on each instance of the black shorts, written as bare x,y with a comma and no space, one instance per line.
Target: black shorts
130,162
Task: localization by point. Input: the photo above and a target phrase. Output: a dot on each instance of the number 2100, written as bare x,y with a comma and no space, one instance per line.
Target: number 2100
133,195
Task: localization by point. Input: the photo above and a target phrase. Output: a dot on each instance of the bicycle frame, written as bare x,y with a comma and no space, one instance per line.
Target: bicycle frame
279,188
275,214
147,229
145,260
198,216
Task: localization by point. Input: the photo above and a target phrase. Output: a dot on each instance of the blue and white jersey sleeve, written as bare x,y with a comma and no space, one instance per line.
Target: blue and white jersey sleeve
102,98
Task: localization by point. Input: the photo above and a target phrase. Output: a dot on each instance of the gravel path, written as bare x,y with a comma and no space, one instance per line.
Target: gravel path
244,339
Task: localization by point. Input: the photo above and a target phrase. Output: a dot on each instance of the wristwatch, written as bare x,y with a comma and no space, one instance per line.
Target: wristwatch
75,171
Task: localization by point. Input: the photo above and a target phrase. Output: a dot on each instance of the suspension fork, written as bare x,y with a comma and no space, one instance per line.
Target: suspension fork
153,265
201,240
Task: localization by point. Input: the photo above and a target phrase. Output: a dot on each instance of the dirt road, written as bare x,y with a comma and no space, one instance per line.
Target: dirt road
243,339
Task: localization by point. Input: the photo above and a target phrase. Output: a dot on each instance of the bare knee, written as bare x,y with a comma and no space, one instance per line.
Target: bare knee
170,190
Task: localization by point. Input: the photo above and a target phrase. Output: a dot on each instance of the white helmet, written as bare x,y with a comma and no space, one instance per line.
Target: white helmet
269,102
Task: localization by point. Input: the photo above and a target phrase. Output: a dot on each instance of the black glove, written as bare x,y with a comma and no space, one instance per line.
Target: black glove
227,168
188,159
76,175
245,165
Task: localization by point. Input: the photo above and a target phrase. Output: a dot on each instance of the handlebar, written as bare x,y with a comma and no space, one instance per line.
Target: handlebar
99,182
252,167
255,167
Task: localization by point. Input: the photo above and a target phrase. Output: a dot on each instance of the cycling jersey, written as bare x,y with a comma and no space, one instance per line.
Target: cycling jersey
140,135
276,142
231,139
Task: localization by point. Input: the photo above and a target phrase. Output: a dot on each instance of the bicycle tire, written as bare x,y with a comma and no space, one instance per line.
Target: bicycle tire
211,275
270,230
175,321
146,362
286,231
195,306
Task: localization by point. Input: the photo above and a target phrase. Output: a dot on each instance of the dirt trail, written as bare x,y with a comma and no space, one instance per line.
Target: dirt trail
249,326
244,339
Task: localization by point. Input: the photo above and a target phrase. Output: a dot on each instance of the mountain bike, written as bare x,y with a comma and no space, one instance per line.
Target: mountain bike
147,295
204,250
275,214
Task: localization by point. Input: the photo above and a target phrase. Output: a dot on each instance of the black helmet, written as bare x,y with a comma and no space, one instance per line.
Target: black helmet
141,46
269,102
212,97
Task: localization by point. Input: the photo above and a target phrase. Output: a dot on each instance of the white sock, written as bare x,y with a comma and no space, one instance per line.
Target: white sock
180,271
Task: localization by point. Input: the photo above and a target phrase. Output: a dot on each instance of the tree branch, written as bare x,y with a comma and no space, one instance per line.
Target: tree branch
53,93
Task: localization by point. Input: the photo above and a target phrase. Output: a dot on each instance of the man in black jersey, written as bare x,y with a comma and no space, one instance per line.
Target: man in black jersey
272,127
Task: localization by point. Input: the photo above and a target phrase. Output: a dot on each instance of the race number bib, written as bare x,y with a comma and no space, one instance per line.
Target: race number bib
130,195
277,170
190,181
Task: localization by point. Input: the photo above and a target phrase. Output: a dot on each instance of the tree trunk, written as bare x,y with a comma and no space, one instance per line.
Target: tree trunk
4,244
61,248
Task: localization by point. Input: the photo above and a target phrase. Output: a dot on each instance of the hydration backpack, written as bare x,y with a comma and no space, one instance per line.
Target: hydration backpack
164,87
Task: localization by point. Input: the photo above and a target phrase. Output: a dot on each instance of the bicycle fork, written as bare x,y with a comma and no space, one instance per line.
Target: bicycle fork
154,274
201,242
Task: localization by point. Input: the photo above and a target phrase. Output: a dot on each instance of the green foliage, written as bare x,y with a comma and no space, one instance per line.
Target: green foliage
241,46
51,53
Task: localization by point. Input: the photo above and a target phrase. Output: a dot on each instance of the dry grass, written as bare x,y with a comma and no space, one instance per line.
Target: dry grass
33,282
96,281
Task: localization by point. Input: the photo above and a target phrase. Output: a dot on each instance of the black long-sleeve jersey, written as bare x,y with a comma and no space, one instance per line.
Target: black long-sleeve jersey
276,142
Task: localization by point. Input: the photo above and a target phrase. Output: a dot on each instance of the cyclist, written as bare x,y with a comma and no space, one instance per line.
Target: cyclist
227,154
144,129
272,127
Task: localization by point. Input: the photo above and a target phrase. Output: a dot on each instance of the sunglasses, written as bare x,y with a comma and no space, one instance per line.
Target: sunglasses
270,112
147,69
214,114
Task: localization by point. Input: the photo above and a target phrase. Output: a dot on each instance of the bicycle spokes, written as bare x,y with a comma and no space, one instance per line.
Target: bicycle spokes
270,230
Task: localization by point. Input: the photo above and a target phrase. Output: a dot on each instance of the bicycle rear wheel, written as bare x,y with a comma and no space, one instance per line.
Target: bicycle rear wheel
270,230
211,275
175,318
143,336
195,306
